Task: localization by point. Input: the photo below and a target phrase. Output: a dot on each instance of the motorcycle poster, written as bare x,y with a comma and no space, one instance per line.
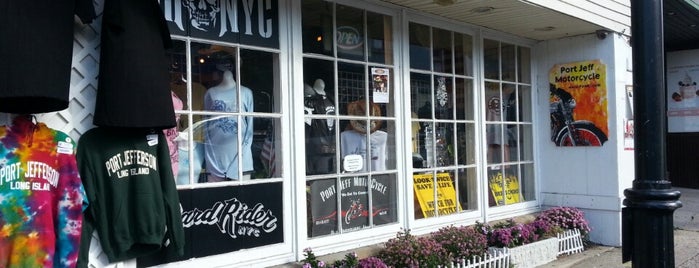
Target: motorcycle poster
578,103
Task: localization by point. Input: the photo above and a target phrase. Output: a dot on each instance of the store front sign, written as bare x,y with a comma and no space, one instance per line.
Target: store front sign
226,219
348,38
354,203
250,22
578,103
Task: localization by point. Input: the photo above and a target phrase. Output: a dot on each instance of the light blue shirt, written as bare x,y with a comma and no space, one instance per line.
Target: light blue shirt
221,134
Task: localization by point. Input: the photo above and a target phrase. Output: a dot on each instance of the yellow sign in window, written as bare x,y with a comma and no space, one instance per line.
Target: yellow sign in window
510,194
446,204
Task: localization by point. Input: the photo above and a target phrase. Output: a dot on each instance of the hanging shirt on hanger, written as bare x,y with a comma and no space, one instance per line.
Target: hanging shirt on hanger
41,196
36,47
134,204
134,83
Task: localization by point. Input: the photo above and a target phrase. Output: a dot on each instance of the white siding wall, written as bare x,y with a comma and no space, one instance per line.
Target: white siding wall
590,178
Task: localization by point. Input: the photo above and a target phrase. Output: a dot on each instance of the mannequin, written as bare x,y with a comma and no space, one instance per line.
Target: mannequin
319,87
308,91
221,152
496,138
320,133
354,139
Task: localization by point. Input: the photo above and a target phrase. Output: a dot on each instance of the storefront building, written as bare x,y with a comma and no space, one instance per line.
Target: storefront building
335,124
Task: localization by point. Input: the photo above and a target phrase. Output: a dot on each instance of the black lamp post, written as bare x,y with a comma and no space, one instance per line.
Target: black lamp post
647,223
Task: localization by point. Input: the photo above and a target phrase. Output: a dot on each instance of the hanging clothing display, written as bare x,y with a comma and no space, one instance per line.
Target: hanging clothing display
42,197
171,134
320,135
133,202
36,49
494,111
353,142
133,88
321,132
221,134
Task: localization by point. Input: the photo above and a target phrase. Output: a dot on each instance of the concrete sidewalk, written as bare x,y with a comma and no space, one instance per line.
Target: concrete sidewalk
686,221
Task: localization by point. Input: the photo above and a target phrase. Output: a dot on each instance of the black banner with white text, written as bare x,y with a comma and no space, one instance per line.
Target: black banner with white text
249,22
226,219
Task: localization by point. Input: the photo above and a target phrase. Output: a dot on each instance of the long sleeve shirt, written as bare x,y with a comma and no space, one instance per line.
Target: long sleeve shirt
41,197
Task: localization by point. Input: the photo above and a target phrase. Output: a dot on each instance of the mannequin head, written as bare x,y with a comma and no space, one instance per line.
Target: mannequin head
308,90
319,87
227,79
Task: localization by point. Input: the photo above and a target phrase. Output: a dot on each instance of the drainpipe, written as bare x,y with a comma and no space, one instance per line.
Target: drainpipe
647,220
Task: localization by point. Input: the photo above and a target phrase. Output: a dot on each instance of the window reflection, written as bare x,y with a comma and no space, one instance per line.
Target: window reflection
379,38
226,140
508,125
349,33
441,51
318,27
349,110
419,46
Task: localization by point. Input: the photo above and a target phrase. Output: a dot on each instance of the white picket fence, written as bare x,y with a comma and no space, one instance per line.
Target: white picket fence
499,259
570,242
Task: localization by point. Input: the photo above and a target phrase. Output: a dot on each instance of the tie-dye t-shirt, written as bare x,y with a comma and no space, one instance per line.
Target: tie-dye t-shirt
41,196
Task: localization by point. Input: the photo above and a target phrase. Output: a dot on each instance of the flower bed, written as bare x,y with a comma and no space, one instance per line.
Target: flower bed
522,244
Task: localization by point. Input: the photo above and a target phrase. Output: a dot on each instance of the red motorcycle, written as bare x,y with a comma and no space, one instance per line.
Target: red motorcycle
565,130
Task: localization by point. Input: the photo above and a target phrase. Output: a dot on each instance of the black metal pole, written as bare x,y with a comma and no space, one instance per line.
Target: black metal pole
647,225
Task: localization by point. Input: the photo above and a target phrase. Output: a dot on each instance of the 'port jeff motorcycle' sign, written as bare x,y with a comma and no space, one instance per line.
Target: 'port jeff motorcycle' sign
578,103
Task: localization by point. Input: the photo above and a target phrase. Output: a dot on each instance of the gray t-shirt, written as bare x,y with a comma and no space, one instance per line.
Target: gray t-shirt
353,142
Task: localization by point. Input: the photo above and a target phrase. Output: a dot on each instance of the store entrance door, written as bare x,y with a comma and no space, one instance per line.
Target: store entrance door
682,164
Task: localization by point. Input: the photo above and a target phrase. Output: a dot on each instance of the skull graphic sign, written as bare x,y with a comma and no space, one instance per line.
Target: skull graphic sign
202,13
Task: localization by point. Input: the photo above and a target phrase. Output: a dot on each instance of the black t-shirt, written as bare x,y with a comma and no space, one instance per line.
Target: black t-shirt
36,47
321,133
133,88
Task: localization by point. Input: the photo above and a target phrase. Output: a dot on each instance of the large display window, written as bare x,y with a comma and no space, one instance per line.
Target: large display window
228,121
508,123
442,97
226,149
350,119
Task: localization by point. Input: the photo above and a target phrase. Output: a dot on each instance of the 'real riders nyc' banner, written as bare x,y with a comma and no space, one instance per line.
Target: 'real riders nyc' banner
578,103
226,219
250,22
354,202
